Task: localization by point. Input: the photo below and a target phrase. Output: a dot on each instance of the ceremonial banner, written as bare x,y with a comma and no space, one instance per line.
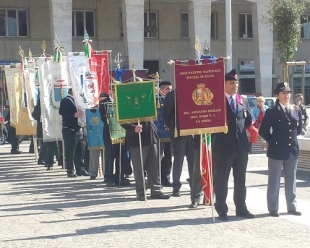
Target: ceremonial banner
200,97
162,129
206,163
12,76
25,125
29,79
84,83
117,133
94,126
99,62
135,101
51,120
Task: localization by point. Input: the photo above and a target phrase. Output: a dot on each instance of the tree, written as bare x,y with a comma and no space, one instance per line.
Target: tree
285,16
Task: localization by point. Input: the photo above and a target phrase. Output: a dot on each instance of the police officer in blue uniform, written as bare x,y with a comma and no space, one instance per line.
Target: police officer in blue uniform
280,127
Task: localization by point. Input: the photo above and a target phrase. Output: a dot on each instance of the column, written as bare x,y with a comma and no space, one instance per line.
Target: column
200,23
133,25
61,22
263,46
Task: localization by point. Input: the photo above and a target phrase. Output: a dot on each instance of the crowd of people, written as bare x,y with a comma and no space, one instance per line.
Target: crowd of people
279,127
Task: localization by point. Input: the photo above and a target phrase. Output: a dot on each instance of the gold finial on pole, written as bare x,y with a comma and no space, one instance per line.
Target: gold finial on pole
118,60
133,69
21,53
30,55
43,47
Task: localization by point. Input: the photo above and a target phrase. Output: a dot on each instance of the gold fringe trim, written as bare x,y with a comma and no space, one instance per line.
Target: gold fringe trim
95,148
222,129
135,120
118,141
164,139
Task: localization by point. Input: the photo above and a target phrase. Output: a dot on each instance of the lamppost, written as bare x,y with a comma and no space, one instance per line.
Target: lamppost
228,35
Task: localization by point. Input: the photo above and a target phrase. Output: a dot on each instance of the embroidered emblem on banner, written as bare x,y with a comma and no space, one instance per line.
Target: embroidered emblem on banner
95,120
202,95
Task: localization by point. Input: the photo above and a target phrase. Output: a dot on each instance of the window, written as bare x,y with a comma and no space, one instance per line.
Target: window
150,25
305,26
184,25
13,22
82,20
214,25
245,26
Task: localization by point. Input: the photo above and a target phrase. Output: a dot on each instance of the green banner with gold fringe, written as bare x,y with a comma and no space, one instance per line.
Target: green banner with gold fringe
135,101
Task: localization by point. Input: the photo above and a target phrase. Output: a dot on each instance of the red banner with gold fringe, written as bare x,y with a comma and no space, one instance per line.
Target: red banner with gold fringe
200,97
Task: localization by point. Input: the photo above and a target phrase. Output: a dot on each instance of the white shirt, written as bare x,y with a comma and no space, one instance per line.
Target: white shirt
229,99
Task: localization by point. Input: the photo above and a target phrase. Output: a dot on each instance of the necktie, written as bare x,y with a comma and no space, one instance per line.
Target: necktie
287,112
233,105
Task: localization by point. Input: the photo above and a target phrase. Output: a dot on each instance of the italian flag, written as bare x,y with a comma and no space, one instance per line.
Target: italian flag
206,167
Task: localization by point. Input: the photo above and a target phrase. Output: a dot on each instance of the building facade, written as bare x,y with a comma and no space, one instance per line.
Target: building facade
152,32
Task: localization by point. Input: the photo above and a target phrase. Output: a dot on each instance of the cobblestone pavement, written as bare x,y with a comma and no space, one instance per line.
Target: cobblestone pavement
40,208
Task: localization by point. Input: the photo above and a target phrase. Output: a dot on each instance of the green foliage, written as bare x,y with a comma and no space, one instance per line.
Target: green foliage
285,17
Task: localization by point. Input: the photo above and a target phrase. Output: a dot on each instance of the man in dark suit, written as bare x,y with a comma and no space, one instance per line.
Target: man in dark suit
166,162
234,154
13,138
72,136
182,145
285,121
149,139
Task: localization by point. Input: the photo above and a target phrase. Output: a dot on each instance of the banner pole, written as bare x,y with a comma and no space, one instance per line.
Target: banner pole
210,172
159,161
120,164
141,159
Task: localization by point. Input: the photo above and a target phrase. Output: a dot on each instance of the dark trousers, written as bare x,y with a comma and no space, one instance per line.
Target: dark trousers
166,162
13,139
182,146
111,154
59,152
150,164
222,164
49,152
74,151
195,182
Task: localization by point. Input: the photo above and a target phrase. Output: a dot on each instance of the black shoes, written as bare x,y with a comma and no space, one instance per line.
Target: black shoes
274,214
49,167
294,212
141,197
246,215
83,173
223,216
41,162
92,177
15,152
176,193
109,184
160,196
166,183
194,204
71,174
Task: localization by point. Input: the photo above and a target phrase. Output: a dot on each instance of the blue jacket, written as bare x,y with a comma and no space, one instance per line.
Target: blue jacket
256,110
282,141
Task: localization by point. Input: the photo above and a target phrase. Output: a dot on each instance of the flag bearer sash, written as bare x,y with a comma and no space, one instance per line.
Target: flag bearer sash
135,101
162,129
117,133
200,97
51,120
94,126
12,76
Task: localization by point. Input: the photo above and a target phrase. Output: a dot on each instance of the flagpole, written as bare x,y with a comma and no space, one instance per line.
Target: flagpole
133,65
198,61
159,146
210,172
120,164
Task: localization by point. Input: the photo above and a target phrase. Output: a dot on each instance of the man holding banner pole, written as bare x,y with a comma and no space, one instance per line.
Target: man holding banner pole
182,145
234,154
